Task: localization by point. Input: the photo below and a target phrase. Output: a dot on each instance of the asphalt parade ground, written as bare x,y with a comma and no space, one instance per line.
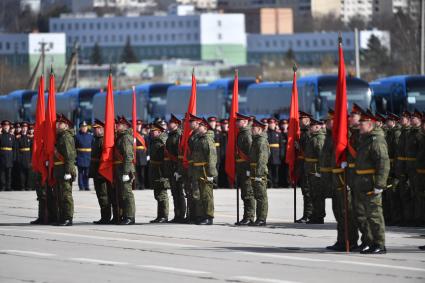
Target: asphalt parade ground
281,252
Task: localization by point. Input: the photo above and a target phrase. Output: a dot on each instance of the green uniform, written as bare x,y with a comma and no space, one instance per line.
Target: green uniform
42,202
243,180
187,178
159,181
412,150
203,159
259,157
104,193
176,181
305,189
124,155
65,155
420,181
312,151
372,169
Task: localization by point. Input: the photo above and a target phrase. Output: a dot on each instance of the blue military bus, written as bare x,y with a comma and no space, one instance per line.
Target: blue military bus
399,93
16,106
156,96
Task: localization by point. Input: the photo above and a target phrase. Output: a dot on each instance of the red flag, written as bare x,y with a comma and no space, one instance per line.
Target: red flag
106,166
134,123
233,133
340,126
191,109
50,128
293,131
38,159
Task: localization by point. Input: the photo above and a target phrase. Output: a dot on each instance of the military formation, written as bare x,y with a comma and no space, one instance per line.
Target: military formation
381,182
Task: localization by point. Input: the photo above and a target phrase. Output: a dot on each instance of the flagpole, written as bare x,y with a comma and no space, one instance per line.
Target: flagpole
294,182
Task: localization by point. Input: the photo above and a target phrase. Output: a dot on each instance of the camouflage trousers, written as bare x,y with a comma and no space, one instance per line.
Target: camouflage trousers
420,198
203,197
124,191
178,197
307,200
65,201
41,198
159,185
260,194
105,198
317,192
247,193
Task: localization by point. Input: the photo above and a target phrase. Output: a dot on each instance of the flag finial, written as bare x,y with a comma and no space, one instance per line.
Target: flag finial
193,71
110,69
51,69
339,38
294,67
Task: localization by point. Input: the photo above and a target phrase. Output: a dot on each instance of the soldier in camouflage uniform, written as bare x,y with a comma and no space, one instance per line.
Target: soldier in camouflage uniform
243,148
259,156
312,152
157,171
173,174
124,171
420,176
64,170
104,193
203,168
372,169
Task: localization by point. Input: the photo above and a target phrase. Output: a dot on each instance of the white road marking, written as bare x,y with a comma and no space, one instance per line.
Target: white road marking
25,252
156,243
173,269
265,280
382,265
98,261
286,257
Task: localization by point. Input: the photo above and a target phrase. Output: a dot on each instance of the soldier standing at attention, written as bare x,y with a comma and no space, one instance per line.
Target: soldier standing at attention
283,171
212,121
157,171
222,176
275,160
259,156
172,165
102,187
312,152
141,158
83,142
203,171
304,137
243,180
24,154
372,169
420,173
124,171
7,143
64,169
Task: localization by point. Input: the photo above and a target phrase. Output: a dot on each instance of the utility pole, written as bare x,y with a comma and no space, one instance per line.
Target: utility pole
77,48
422,37
357,51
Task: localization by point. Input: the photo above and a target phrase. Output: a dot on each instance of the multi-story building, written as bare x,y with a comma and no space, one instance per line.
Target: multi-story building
208,36
308,48
34,5
22,49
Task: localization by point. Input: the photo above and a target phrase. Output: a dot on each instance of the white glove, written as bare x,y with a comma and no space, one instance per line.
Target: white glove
148,158
67,177
377,191
318,175
258,179
177,176
210,179
348,188
125,178
344,164
248,173
47,163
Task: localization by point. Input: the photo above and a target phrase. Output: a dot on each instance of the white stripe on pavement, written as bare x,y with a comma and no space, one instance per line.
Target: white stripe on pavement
25,252
98,261
382,265
286,257
173,269
256,279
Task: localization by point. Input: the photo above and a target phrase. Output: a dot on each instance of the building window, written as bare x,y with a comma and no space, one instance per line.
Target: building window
142,25
188,37
173,36
142,37
62,26
77,26
120,25
158,24
135,24
298,43
91,26
99,26
127,25
105,38
121,38
165,37
307,43
314,43
188,24
158,37
150,24
113,25
83,25
150,37
113,38
173,24
105,25
180,24
165,24
54,26
69,26
348,41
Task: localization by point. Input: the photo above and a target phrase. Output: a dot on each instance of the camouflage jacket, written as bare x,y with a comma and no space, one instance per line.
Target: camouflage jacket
124,151
312,152
96,153
172,151
327,156
259,155
243,145
372,162
202,150
412,147
65,152
401,154
420,159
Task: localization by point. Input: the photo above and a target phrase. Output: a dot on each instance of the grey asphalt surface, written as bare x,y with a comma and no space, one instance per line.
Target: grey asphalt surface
280,252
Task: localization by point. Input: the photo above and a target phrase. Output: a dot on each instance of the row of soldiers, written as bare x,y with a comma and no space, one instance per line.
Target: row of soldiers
190,175
380,182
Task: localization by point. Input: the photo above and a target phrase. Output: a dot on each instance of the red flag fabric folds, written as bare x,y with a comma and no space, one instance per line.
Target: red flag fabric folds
50,128
232,134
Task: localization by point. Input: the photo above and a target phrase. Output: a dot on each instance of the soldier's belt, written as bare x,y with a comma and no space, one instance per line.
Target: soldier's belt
365,171
312,160
351,165
253,164
240,160
337,170
59,163
84,149
301,157
403,158
140,147
198,164
167,159
326,169
118,162
420,170
180,157
217,144
154,162
25,149
274,145
6,148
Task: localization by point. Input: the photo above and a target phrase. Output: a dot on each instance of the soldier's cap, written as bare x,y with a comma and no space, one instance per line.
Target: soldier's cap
204,122
367,116
303,114
356,109
314,122
31,126
194,118
5,122
212,119
174,119
24,124
139,122
98,124
240,116
260,124
157,126
283,121
379,117
271,120
224,121
83,124
392,116
417,114
331,114
123,120
17,125
406,114
60,118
